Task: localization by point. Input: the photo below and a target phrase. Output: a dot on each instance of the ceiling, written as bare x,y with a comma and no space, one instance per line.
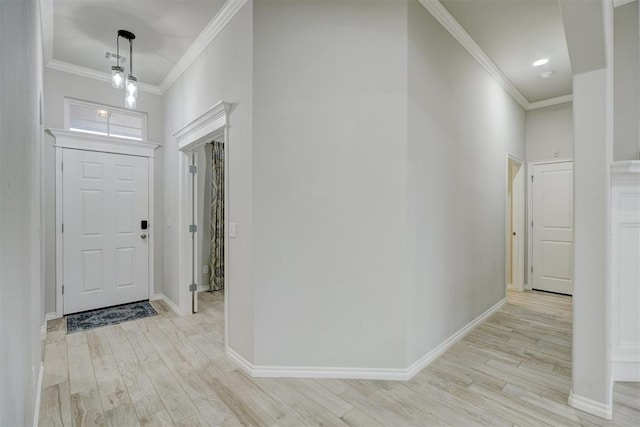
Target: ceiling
164,29
514,34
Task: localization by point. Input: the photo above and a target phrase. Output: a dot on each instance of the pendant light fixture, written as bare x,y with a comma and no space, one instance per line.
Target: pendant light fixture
118,81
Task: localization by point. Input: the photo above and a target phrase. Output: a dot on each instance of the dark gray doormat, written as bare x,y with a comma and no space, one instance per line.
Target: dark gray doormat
108,316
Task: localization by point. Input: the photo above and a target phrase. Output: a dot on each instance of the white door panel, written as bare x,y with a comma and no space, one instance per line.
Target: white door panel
106,260
552,233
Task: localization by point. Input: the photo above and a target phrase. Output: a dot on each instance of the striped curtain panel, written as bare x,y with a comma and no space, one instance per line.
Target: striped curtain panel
216,262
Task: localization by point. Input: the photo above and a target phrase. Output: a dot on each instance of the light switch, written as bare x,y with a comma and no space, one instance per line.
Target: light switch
205,269
233,230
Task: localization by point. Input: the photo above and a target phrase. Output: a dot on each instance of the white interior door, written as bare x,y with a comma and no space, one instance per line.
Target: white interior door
106,253
552,231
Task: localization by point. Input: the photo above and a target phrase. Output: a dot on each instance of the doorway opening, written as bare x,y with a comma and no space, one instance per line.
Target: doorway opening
212,125
515,224
208,210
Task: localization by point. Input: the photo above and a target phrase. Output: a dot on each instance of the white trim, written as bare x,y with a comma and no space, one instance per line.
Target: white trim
89,73
208,34
455,29
625,370
398,374
618,3
590,406
36,411
425,360
105,144
59,259
442,15
199,131
625,171
167,301
43,330
82,141
549,102
211,124
204,288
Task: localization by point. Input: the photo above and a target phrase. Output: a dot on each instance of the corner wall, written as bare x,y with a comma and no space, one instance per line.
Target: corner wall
20,210
222,72
329,162
461,125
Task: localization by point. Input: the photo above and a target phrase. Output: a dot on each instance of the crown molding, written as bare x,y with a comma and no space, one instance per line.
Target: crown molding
455,29
66,67
210,32
549,102
46,21
617,3
203,126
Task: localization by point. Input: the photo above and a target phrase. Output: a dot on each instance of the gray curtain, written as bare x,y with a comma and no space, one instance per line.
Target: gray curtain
216,262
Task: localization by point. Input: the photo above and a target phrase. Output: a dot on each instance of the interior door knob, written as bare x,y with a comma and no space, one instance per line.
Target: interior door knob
143,236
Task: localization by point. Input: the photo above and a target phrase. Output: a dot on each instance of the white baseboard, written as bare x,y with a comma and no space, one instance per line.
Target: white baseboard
36,411
590,406
425,360
167,301
48,316
204,288
399,374
625,370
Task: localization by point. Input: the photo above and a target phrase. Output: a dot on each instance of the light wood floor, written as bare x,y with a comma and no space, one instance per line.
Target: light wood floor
514,369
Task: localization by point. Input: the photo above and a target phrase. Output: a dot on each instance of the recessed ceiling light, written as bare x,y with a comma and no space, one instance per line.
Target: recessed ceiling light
540,62
546,74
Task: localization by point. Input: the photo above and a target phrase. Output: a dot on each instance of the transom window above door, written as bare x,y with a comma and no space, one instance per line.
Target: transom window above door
97,119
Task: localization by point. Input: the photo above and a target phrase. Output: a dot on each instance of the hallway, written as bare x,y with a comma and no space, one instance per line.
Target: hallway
167,370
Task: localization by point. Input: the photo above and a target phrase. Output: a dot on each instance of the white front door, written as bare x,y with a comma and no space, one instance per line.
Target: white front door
106,254
552,231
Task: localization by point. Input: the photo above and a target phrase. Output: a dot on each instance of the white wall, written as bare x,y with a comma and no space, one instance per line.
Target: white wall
591,377
329,158
222,72
626,144
20,210
461,124
549,130
57,86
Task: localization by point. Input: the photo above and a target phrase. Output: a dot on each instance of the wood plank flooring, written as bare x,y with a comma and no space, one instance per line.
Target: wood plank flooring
514,369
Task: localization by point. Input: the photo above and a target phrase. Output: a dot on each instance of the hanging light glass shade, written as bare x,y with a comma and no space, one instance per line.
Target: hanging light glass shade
132,86
117,77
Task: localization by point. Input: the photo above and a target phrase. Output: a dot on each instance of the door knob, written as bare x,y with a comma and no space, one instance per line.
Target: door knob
143,236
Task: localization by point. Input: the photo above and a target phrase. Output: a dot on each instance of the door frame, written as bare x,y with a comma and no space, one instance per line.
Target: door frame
65,140
530,165
518,222
210,125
